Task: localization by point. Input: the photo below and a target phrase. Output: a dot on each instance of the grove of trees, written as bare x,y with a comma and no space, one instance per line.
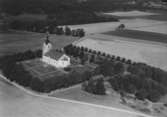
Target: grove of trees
142,80
95,86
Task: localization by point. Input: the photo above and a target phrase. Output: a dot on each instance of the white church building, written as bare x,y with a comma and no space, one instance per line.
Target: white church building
52,57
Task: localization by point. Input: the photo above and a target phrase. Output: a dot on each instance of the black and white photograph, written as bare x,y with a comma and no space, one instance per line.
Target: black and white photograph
83,58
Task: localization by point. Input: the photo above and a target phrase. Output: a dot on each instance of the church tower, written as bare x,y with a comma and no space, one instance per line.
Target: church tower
47,46
52,57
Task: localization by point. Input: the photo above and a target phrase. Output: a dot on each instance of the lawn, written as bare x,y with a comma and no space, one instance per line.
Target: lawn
12,42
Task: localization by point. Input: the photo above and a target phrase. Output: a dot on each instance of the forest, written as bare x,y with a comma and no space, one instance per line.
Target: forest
64,12
64,6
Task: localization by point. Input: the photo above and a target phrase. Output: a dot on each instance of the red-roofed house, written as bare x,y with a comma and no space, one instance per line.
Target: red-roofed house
54,58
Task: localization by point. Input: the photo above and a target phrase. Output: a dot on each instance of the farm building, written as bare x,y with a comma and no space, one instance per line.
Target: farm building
52,57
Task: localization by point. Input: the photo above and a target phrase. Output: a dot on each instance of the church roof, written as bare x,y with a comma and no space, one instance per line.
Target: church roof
54,54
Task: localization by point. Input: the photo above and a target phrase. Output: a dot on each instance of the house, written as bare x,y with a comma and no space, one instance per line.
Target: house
52,57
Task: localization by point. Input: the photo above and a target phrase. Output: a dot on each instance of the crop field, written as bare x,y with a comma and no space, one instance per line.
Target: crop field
12,42
159,28
141,35
140,51
130,13
151,21
149,14
134,24
148,25
41,70
135,20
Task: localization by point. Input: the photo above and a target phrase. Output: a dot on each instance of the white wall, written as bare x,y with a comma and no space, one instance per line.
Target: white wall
59,63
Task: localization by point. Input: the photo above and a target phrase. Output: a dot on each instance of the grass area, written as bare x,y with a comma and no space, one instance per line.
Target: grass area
142,35
12,42
76,93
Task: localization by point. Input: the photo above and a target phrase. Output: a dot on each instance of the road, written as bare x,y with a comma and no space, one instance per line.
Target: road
15,102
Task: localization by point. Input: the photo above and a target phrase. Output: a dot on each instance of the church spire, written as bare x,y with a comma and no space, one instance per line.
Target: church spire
47,46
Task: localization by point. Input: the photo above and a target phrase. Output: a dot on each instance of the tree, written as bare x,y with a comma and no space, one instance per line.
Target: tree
104,54
81,33
113,57
37,84
92,59
99,87
98,53
118,68
106,68
86,49
123,60
59,31
90,51
154,95
129,61
74,33
141,94
118,58
67,31
95,86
